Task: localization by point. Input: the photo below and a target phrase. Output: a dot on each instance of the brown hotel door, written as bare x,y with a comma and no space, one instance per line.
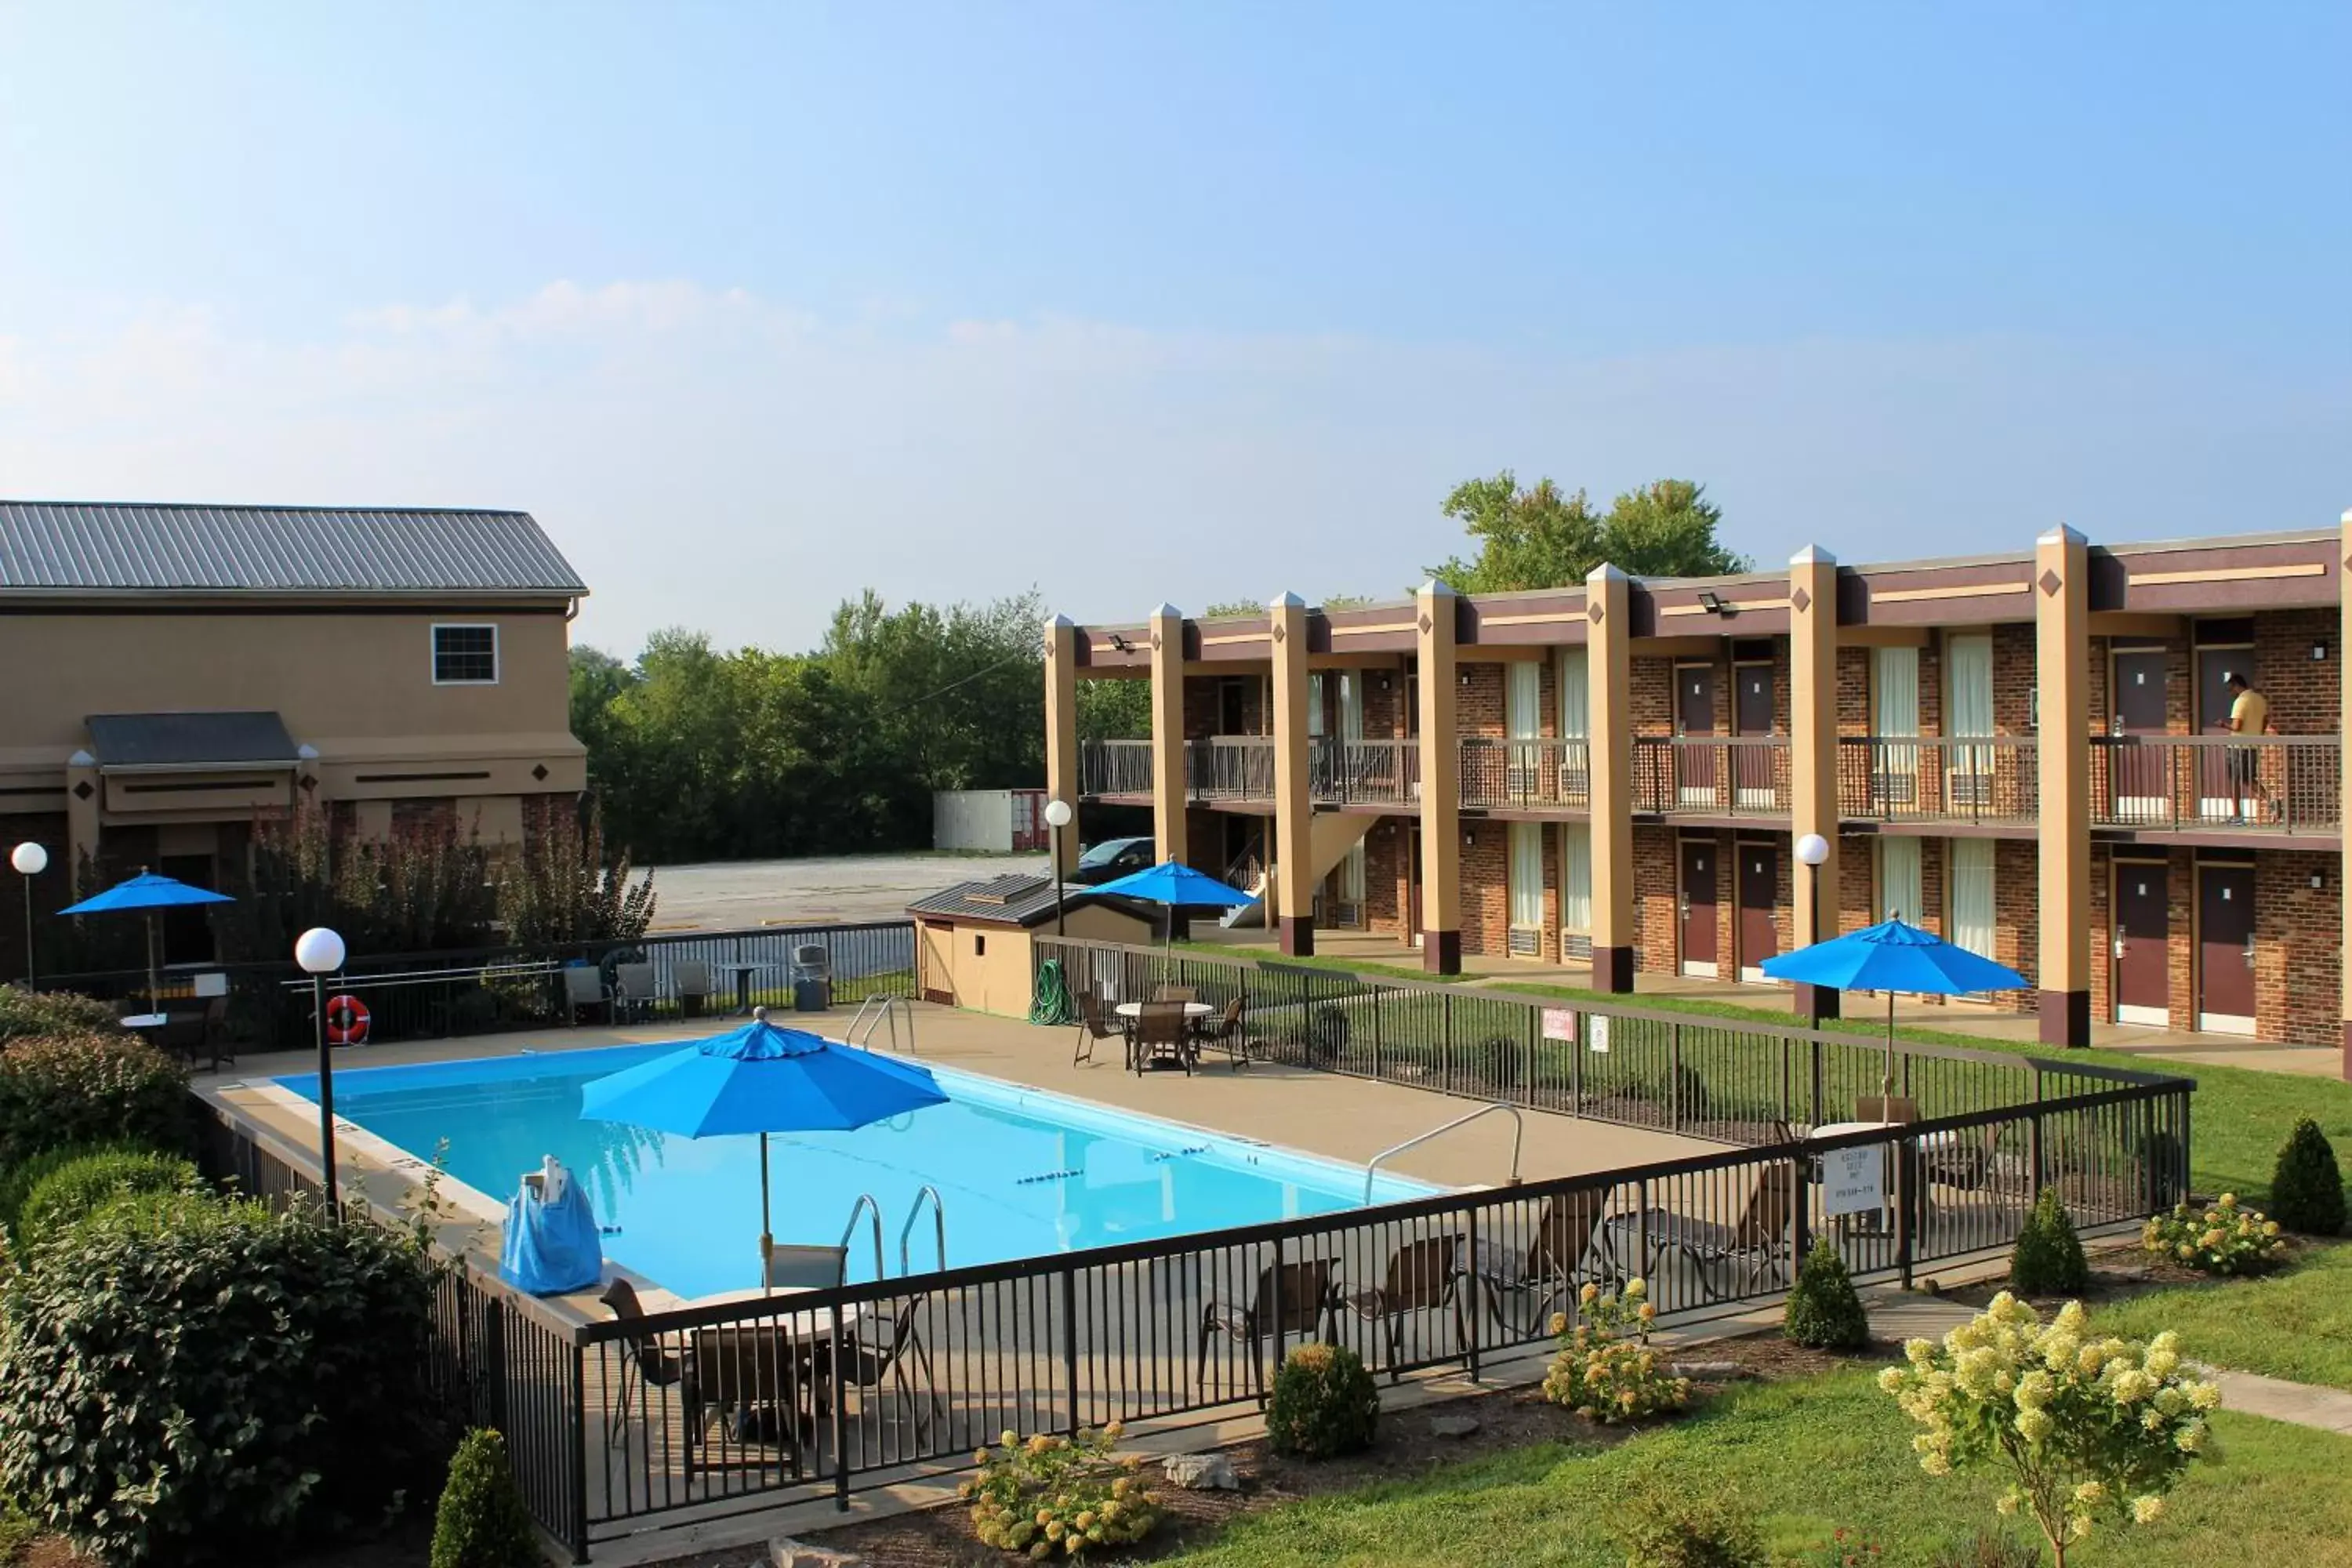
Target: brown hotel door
1698,906
1760,887
2137,783
1752,766
2143,932
2225,949
1694,718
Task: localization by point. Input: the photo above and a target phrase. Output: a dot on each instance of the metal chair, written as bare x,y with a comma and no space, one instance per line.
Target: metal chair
1572,1228
1176,994
1160,1035
1761,1238
870,1365
796,1266
690,979
1421,1275
1226,1032
1308,1297
584,987
648,1356
1095,1023
632,990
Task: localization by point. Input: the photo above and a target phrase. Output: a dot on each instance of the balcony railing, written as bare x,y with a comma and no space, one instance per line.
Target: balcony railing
2278,783
1365,772
1939,778
1528,775
1711,776
1230,767
1115,767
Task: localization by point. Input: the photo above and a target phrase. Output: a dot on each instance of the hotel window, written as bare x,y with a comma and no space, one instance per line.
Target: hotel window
1576,890
1575,725
465,655
1313,707
1526,888
1523,721
1894,721
1972,894
1899,879
1968,712
1351,706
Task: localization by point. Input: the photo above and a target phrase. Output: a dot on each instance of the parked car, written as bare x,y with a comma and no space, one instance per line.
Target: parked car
1111,860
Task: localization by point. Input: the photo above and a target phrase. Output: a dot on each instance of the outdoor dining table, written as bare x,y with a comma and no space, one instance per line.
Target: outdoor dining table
742,971
765,1363
1194,1012
145,1020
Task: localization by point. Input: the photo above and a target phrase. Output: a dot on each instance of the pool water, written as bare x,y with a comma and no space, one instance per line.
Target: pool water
1021,1173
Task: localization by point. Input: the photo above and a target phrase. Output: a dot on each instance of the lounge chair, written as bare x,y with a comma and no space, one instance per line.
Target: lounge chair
1421,1275
871,1364
1095,1023
794,1266
1761,1240
634,990
690,979
1572,1229
1162,1034
583,988
1308,1303
1228,1033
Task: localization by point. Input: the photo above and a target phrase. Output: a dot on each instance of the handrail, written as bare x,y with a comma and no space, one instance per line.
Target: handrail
880,1007
1518,1137
866,1201
907,1231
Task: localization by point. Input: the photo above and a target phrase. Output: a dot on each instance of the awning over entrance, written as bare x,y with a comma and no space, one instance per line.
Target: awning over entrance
125,742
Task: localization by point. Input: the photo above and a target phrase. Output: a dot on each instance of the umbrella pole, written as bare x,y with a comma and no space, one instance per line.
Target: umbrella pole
1886,1083
767,1242
152,987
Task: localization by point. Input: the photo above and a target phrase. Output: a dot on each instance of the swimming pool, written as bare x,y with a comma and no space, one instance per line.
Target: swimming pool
1021,1173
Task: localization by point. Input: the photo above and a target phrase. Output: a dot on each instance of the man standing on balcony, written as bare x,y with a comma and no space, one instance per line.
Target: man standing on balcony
2249,714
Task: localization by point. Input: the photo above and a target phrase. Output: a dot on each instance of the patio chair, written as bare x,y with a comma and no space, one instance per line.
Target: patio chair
1876,1107
632,990
180,1035
1095,1022
1226,1032
1310,1304
1759,1240
690,979
583,988
1177,993
1572,1228
796,1266
649,1357
753,1376
1421,1275
870,1365
1161,1036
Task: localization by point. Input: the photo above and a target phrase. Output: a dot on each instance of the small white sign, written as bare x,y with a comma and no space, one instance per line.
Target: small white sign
1559,1023
1597,1036
1853,1181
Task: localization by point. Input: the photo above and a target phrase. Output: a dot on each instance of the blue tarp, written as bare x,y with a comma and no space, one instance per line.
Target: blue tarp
552,1247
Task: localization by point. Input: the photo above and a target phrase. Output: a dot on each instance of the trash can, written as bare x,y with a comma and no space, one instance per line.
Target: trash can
812,978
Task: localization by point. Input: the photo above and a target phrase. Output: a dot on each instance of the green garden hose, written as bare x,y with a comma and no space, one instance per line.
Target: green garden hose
1051,1004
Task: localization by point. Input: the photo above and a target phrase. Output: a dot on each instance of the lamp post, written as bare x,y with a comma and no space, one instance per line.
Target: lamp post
30,861
1813,849
319,951
1057,818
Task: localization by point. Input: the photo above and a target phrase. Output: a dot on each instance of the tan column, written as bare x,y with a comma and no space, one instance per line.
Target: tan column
1813,755
1169,795
2062,598
84,789
1608,672
2344,712
1062,775
1293,801
1441,783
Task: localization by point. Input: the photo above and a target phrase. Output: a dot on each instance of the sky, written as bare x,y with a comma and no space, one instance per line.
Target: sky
756,306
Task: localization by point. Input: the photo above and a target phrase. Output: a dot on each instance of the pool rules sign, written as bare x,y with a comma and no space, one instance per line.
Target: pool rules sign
1853,1181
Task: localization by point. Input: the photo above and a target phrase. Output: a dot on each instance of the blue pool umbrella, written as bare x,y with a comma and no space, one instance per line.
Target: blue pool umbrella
760,1078
1178,886
146,893
1891,957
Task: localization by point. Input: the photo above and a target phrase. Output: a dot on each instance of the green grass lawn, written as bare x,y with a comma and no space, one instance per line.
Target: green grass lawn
1808,1456
2296,1325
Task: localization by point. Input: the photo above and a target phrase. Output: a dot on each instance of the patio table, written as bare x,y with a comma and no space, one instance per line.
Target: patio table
1193,1011
145,1020
742,972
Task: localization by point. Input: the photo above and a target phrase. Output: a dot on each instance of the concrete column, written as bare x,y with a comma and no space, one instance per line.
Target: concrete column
84,790
1061,777
1294,800
1441,783
2344,673
1609,669
1813,755
2061,597
1168,796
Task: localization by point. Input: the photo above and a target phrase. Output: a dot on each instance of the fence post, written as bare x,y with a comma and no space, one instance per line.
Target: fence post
579,1521
1070,1342
1446,1041
1576,1061
1905,1192
1265,1375
839,1415
2033,1163
1803,1241
494,1358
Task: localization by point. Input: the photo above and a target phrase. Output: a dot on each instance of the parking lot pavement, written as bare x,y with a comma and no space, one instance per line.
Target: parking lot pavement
832,889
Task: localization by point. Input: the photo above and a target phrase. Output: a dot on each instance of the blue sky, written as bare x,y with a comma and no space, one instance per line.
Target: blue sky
757,305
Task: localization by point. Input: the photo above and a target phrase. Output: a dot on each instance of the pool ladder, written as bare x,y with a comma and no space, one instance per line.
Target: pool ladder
886,1007
868,1205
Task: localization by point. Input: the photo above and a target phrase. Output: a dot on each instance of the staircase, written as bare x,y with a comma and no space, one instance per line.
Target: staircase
1333,835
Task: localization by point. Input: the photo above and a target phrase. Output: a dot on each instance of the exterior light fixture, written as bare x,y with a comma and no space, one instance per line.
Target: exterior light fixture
2318,652
1057,818
30,861
1120,644
1711,602
1814,852
320,952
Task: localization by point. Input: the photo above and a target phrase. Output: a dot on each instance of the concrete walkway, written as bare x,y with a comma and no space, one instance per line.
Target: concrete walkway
2248,1392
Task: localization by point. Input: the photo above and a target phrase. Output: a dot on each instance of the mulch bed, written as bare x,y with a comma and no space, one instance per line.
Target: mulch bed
2115,1276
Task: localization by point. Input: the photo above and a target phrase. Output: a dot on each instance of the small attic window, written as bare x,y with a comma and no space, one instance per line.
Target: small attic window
979,945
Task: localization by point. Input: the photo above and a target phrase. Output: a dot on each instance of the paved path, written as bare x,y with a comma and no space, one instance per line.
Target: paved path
2298,1404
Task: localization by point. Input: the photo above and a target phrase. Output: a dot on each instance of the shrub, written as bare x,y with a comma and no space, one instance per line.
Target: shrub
89,1181
26,1014
188,1379
1991,1549
1060,1497
2086,1429
1842,1548
17,1182
481,1522
2307,1187
2221,1240
1661,1525
1605,1370
1823,1310
89,1089
1324,1404
2048,1259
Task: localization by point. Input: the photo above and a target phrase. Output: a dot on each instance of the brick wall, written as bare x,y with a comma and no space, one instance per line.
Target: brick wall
1205,705
1387,878
1651,685
1654,899
1853,691
2017,917
2304,692
2298,945
437,815
1486,895
1478,702
2014,677
1383,704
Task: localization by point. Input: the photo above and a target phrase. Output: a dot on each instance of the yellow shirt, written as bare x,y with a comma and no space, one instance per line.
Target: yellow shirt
2249,712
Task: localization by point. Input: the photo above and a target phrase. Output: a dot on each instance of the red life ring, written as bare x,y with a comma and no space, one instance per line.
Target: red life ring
347,1021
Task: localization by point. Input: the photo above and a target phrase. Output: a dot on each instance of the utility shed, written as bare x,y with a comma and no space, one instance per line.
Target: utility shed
974,942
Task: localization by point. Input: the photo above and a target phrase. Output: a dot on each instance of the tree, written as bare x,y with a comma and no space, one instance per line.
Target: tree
1114,710
1543,537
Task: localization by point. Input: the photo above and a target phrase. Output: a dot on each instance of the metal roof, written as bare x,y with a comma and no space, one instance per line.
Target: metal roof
68,546
1012,900
190,739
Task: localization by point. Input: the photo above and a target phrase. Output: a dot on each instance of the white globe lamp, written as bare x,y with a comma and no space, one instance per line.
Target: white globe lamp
30,861
321,953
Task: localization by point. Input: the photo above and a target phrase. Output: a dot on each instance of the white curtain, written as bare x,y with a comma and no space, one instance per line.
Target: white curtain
1527,876
1899,879
1967,665
1523,702
1576,875
1970,863
1351,875
1895,677
1351,706
1575,694
1313,707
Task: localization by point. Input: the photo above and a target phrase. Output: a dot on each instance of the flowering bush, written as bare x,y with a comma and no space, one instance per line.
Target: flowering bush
1060,1495
2222,1239
1844,1549
1662,1523
1323,1403
2087,1429
1605,1370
